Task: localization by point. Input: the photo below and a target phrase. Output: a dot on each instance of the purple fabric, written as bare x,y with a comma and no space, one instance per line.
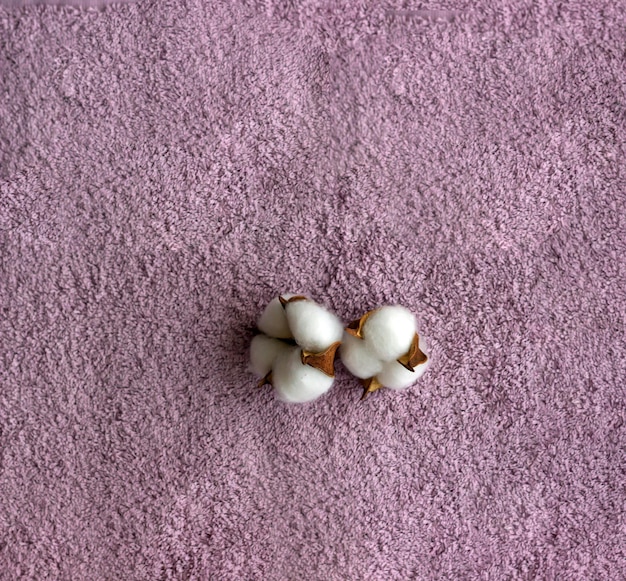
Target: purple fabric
77,3
167,167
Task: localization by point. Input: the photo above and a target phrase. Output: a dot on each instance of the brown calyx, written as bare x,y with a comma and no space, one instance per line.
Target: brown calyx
356,327
324,361
284,302
267,380
370,385
415,355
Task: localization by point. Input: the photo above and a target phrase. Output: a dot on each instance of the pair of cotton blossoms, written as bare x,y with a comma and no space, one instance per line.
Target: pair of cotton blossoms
299,339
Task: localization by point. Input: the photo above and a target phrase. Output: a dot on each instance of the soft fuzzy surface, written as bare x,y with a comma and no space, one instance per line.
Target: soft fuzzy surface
314,327
388,332
295,382
168,167
263,353
357,357
395,376
273,320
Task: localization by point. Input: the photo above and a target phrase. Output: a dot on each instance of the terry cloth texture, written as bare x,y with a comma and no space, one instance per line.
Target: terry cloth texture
168,167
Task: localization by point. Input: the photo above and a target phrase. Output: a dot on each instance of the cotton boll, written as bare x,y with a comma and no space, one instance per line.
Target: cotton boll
273,321
295,382
389,332
396,376
313,327
263,353
358,357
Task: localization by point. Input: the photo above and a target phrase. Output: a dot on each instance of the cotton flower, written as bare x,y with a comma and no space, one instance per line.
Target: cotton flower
395,376
313,327
384,349
358,358
300,372
295,382
388,331
263,353
273,320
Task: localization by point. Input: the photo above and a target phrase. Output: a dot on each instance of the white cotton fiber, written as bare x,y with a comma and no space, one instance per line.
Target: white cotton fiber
263,353
358,357
313,327
295,382
389,332
396,376
273,321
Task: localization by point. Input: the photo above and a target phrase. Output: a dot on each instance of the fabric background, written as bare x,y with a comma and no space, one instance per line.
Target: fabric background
168,167
77,3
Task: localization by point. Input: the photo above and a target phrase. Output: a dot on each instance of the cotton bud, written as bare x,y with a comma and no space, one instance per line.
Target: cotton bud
305,371
273,321
263,353
358,358
313,327
388,332
385,343
396,376
295,382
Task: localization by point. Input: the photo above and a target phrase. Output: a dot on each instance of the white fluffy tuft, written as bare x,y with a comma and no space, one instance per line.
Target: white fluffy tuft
358,357
389,331
396,376
263,353
273,321
295,382
313,327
